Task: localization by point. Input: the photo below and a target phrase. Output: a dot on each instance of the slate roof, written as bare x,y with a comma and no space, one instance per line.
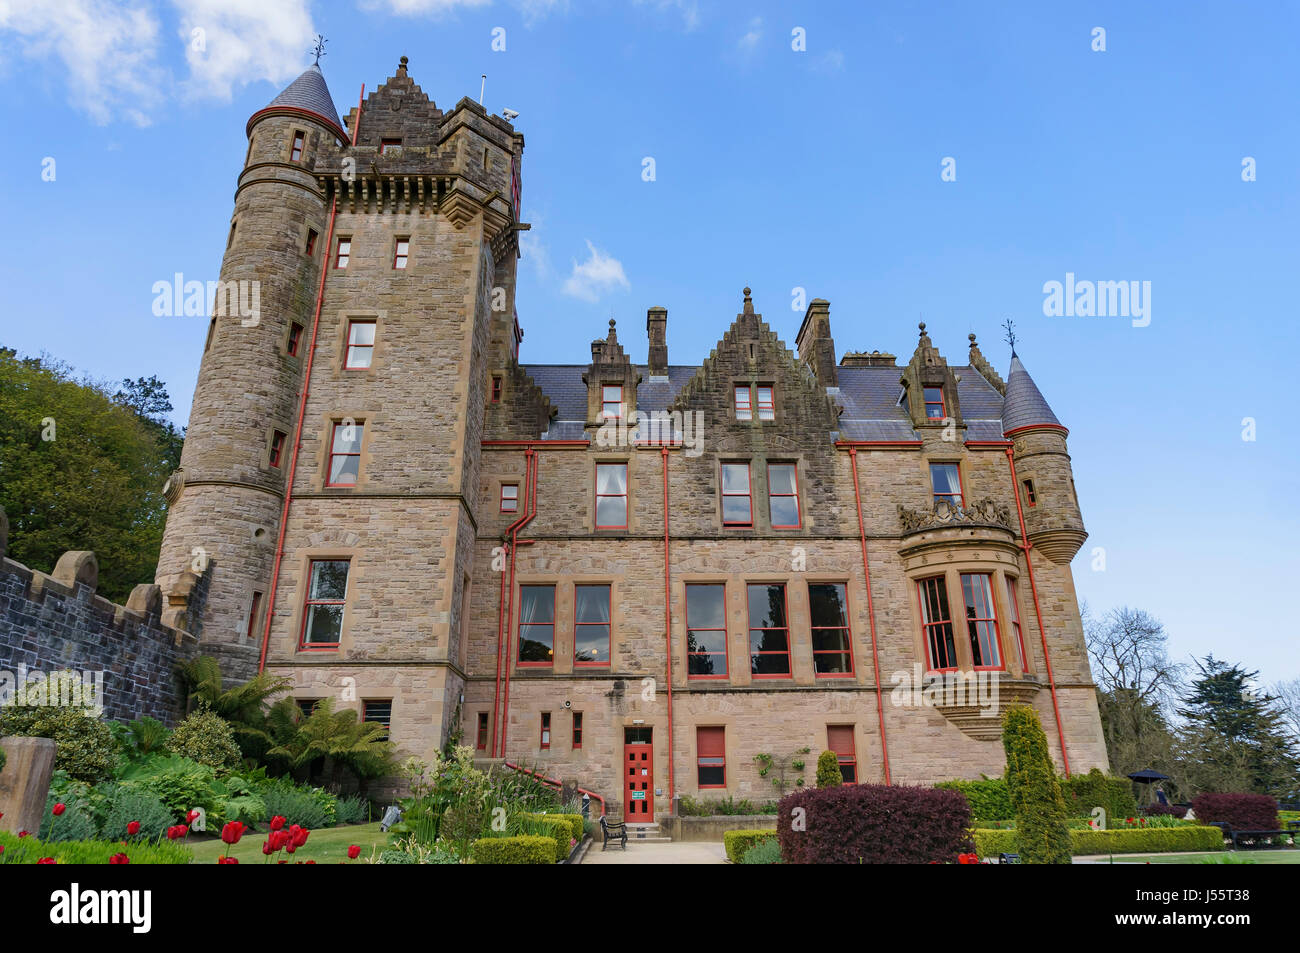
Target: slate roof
869,395
309,92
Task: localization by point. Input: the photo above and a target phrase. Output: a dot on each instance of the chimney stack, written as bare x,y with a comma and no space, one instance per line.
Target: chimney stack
656,327
816,348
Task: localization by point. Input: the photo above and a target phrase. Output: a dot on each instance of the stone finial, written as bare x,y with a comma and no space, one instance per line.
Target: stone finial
978,362
749,303
77,567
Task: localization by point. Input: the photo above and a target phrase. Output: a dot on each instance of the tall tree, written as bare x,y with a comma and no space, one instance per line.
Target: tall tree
148,399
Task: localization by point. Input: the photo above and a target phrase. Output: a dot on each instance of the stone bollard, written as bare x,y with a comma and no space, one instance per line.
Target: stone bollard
25,782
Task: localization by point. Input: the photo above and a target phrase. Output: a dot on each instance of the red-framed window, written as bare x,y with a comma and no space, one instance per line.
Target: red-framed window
769,630
1031,498
536,625
945,481
345,454
277,448
544,740
936,623
934,408
737,500
611,496
981,619
311,242
744,406
295,153
322,616
611,401
401,252
783,496
361,345
711,757
481,735
766,402
307,706
839,738
295,338
254,611
385,145
378,711
344,254
706,630
591,624
1013,612
496,388
832,640
577,730
509,497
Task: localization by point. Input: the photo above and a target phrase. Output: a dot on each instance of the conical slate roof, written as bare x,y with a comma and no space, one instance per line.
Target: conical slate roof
310,93
1025,405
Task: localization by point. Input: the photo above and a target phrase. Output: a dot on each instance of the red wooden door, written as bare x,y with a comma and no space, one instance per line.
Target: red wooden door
638,783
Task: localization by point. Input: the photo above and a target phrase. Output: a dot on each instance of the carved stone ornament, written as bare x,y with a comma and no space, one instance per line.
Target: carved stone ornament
986,512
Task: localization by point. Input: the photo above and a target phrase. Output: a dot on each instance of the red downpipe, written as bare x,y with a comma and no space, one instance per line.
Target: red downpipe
668,629
557,784
501,613
871,613
515,543
1042,633
302,411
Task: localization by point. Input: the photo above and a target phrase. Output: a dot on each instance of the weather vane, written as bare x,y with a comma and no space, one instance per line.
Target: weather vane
1010,337
319,49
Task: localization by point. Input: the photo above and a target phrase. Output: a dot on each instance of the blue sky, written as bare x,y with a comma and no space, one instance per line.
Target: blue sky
781,169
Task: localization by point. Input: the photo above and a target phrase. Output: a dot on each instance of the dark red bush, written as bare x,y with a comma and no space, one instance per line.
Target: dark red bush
1175,810
874,824
1241,812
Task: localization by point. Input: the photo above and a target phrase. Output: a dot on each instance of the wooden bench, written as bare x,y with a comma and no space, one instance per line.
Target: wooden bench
613,830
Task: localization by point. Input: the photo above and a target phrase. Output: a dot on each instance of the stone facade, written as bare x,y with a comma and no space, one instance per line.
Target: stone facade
476,476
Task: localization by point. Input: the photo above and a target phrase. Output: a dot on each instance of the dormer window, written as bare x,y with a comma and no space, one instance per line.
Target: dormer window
744,408
611,401
934,408
388,145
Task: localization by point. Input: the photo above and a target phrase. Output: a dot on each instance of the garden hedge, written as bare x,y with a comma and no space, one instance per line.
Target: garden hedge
988,799
577,826
526,849
29,850
555,828
1083,792
1151,840
1241,812
738,842
873,824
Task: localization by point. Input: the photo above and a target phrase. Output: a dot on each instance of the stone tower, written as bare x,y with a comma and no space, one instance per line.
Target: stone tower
386,254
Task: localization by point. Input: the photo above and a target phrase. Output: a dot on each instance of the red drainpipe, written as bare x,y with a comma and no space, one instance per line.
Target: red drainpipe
515,543
871,613
668,629
302,410
1042,634
557,784
501,614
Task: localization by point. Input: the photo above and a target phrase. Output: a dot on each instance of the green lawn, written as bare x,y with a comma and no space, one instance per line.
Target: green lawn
327,846
1221,857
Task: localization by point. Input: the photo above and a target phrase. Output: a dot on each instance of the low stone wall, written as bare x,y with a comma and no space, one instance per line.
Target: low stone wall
712,828
53,622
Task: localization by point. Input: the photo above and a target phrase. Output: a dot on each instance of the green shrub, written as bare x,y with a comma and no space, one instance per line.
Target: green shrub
738,842
722,807
29,850
764,852
86,747
990,843
352,809
146,736
988,798
127,803
829,774
553,826
575,825
1041,829
181,790
205,737
526,849
3,758
397,857
76,823
311,807
1083,792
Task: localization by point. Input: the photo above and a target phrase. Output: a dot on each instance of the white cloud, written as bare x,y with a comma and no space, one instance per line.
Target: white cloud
108,50
753,36
417,8
593,277
533,250
243,41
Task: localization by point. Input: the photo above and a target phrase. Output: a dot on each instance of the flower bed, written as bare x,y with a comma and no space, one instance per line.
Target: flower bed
29,850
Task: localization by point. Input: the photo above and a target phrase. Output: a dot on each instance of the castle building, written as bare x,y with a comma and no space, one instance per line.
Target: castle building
657,579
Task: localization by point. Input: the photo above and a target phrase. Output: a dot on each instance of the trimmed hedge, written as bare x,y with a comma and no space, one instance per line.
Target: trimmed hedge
829,774
577,827
988,799
1151,840
527,849
738,842
29,850
1241,812
1042,827
1083,792
554,828
873,824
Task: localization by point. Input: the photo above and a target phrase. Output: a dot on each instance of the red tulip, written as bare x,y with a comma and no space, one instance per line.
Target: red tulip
177,831
119,859
47,860
277,822
354,852
191,817
227,860
300,837
133,828
311,861
59,809
232,832
267,849
2,848
23,833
